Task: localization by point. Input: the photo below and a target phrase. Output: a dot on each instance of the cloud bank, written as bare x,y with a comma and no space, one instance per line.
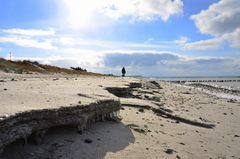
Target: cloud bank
220,20
172,64
82,13
29,32
109,56
146,63
143,10
29,38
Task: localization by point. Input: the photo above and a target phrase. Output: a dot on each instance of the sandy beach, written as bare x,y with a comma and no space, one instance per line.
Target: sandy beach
119,79
158,119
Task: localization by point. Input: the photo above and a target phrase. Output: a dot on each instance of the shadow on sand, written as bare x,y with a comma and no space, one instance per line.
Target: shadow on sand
65,143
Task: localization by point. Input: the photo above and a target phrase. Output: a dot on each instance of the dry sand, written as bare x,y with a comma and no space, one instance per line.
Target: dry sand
141,133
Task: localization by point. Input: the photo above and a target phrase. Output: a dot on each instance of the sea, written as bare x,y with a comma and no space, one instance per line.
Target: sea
226,82
220,83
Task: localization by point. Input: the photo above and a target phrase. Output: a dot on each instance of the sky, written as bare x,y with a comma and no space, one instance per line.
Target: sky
149,37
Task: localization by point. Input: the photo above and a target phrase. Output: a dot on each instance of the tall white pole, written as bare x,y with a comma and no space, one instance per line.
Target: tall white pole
10,56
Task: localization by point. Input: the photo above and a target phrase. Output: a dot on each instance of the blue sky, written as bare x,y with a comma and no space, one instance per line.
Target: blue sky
148,37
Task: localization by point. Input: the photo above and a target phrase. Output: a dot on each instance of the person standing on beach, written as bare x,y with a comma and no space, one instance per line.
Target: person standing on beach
123,72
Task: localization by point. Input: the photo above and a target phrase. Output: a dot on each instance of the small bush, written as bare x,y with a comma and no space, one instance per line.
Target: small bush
78,69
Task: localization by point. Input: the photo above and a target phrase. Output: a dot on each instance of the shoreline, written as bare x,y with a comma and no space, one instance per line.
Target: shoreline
219,91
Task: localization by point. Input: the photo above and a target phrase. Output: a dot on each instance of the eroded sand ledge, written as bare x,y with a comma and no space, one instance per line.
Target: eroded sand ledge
36,122
30,106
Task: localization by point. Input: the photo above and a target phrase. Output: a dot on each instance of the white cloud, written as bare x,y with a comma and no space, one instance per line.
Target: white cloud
221,21
29,32
220,18
144,10
30,38
182,40
27,42
233,38
71,41
209,44
92,13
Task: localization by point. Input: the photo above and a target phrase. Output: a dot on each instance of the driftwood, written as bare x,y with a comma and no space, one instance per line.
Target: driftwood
181,119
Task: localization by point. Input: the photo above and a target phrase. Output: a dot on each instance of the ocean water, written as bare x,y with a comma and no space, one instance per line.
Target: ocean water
229,82
228,85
